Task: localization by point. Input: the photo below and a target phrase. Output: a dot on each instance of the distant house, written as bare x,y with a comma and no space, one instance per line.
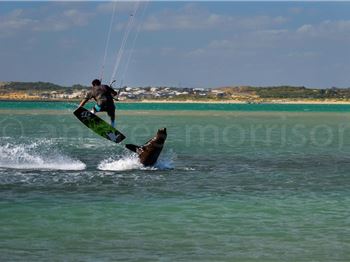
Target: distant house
45,96
218,93
131,96
139,92
121,94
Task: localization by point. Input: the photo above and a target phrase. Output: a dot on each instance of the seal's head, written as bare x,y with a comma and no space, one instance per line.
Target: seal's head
161,134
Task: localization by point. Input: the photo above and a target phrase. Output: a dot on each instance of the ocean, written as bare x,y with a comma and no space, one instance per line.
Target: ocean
234,183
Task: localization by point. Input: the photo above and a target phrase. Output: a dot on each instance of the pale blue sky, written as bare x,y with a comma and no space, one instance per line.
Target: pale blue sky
193,44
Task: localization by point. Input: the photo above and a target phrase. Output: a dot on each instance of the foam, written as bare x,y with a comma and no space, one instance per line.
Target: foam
131,162
124,163
36,155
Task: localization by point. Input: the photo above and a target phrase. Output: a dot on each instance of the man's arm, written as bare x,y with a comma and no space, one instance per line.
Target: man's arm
112,91
87,98
82,103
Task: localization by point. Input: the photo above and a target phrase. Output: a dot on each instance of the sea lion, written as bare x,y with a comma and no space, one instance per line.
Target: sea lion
149,152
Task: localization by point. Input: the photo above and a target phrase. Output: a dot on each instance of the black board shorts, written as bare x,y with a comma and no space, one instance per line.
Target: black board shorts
110,109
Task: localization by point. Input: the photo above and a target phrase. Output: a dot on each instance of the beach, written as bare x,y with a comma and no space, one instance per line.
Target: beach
286,101
204,101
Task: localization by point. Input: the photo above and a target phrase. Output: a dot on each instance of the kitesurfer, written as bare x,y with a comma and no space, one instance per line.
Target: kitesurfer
103,95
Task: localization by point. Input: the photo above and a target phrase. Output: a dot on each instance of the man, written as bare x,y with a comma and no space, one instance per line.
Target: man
103,96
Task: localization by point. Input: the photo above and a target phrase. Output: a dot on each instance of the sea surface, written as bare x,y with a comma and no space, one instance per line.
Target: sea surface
233,183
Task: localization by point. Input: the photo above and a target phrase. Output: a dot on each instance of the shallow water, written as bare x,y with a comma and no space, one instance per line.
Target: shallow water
251,185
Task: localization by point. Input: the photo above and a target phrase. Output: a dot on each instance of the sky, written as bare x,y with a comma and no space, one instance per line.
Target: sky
180,44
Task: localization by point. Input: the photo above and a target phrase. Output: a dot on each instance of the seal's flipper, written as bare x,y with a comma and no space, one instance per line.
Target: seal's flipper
132,147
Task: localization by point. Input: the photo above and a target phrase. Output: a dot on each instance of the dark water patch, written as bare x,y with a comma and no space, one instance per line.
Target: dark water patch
29,105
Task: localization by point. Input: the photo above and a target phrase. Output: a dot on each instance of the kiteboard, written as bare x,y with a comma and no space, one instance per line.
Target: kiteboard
98,125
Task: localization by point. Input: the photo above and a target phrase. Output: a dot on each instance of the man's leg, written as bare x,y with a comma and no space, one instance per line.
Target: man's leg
96,109
111,113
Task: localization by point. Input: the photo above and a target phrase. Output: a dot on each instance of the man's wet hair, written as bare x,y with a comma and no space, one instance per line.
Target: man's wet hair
96,82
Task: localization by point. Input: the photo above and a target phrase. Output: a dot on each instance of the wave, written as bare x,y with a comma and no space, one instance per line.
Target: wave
131,162
36,155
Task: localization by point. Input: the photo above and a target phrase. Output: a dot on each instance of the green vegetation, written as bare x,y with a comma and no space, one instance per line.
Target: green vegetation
26,86
36,86
302,92
289,92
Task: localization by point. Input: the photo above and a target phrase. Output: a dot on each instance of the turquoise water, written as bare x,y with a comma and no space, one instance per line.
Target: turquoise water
182,106
248,184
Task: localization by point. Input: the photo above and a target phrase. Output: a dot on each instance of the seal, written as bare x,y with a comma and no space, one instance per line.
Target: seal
150,151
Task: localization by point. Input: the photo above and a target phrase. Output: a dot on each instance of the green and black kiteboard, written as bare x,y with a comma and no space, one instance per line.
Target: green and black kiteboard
98,125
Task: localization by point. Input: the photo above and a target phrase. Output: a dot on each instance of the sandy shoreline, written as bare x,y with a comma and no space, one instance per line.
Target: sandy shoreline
244,102
334,102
